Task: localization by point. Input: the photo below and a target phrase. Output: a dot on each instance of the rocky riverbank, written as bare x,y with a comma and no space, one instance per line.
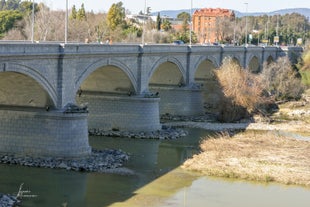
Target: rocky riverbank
106,161
7,200
167,132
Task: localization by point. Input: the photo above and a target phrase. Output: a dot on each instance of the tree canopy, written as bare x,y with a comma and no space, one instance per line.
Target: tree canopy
116,15
8,19
184,16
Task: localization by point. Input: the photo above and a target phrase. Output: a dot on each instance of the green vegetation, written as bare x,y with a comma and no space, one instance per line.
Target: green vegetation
116,16
8,19
304,67
16,24
290,28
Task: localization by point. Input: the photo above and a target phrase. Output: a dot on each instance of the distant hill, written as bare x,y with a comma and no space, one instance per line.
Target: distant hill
303,11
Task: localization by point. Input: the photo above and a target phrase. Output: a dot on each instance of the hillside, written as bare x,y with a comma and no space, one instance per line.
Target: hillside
303,11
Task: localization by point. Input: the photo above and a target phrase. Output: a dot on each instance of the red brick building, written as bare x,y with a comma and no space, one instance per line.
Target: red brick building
205,23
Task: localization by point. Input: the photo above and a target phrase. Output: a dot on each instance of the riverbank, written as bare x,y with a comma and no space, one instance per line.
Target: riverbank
104,161
258,156
276,151
7,200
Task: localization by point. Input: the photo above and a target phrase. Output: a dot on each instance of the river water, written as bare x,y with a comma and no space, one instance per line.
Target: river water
158,181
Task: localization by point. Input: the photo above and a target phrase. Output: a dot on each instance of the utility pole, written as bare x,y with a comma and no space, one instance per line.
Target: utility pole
268,31
191,24
66,23
235,24
246,24
32,23
144,19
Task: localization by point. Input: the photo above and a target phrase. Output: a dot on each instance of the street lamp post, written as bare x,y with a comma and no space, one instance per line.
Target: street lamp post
268,31
66,23
32,23
144,19
235,24
191,24
246,24
277,29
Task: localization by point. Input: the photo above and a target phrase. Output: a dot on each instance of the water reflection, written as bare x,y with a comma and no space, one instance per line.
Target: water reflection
158,181
53,187
206,192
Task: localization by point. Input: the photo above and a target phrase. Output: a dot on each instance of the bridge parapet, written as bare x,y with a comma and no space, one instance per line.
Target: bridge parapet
27,50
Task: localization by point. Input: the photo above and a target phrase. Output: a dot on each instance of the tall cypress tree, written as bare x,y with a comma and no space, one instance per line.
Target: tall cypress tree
73,14
158,22
81,14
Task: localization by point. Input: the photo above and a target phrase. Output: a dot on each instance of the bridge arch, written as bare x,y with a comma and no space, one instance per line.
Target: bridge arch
167,71
236,59
203,69
108,64
26,73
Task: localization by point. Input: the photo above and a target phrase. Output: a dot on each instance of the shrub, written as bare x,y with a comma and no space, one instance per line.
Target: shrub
281,80
242,89
304,68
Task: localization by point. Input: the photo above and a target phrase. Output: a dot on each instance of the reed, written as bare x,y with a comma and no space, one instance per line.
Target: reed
254,156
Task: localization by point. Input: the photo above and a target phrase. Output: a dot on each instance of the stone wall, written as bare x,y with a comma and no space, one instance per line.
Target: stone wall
125,113
42,133
179,101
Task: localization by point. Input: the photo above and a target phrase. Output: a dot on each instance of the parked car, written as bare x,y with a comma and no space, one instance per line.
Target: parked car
178,42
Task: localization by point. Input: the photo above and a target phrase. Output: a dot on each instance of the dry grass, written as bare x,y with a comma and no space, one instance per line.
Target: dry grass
254,156
240,85
281,80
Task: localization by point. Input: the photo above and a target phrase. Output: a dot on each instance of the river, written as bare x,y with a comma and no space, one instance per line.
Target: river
158,181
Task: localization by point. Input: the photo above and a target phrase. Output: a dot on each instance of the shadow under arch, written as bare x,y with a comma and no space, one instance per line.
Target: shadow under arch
203,70
113,103
109,80
102,64
32,79
167,71
236,60
270,60
214,61
211,91
254,65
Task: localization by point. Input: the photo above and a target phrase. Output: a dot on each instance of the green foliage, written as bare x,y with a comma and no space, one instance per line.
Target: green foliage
184,36
10,4
133,30
304,67
158,22
184,16
8,19
26,7
166,25
290,28
305,77
73,14
116,15
81,14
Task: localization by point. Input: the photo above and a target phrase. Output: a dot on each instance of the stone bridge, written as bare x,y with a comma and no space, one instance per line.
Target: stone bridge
123,87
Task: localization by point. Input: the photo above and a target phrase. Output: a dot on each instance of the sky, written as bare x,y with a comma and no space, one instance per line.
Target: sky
157,5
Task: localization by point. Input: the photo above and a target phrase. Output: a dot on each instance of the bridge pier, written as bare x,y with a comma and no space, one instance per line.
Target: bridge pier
119,112
36,132
181,101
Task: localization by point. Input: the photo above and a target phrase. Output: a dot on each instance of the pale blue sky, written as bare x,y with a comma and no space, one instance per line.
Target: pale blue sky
157,5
